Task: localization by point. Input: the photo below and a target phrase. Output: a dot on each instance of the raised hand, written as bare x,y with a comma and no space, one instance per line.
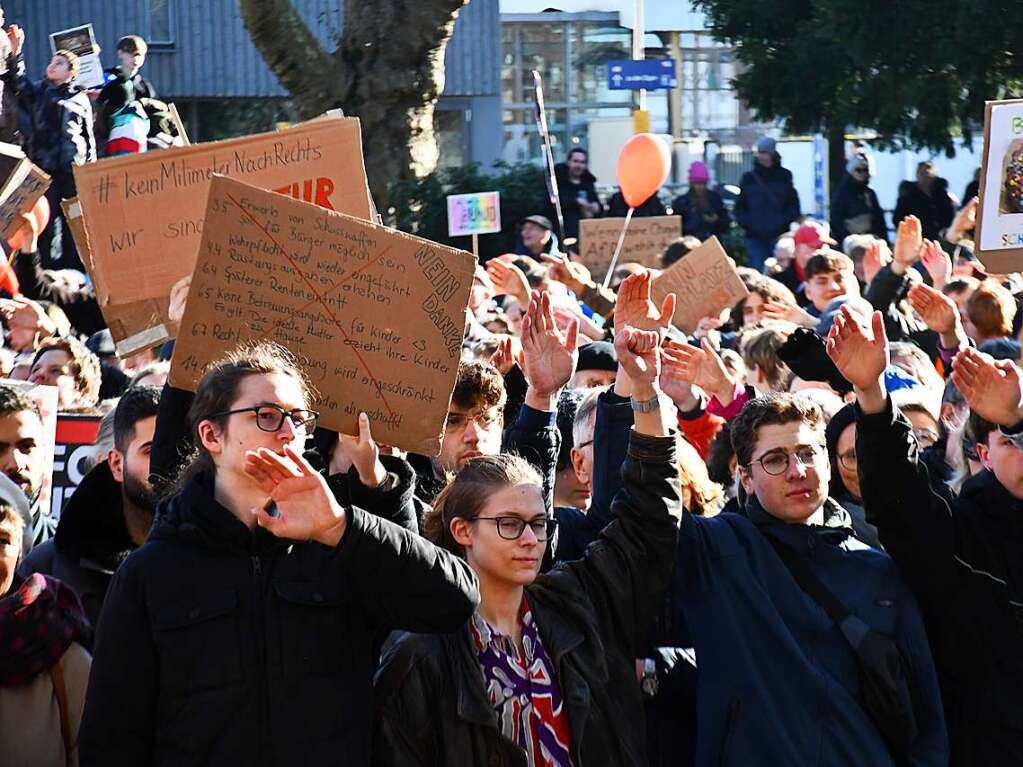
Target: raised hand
506,354
508,280
548,355
937,263
908,242
635,308
699,366
571,274
25,314
176,307
639,358
859,352
306,509
875,258
965,221
16,37
778,310
938,311
363,453
994,390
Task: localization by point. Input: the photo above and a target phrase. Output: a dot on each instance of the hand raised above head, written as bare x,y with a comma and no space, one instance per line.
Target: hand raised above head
994,390
636,308
858,348
549,355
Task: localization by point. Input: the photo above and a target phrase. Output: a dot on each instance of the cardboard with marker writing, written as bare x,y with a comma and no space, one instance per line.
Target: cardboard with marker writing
645,240
135,327
704,282
376,315
21,186
144,213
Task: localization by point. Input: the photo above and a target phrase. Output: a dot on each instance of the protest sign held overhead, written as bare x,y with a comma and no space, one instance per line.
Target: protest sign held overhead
144,213
478,213
999,235
645,240
704,282
21,186
376,315
81,41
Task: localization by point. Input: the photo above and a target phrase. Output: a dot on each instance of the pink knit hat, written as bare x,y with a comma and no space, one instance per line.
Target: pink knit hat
698,173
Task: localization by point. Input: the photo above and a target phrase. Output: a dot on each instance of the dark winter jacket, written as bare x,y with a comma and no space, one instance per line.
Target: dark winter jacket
962,559
702,218
569,193
431,703
778,682
11,69
935,210
768,202
855,202
91,542
618,208
220,645
61,135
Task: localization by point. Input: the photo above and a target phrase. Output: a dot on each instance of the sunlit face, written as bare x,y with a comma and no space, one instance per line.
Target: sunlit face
495,558
235,435
823,287
845,452
752,310
22,451
53,368
130,62
1001,456
798,492
10,551
131,468
468,433
534,236
58,71
591,379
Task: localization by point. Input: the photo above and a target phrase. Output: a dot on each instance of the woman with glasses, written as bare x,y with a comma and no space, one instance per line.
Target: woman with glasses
544,671
245,630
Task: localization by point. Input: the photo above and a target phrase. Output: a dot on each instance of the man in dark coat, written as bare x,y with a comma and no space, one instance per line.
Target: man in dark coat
110,512
928,199
854,207
577,191
11,68
768,203
961,557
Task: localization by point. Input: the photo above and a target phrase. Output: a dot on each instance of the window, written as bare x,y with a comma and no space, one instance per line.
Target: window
161,23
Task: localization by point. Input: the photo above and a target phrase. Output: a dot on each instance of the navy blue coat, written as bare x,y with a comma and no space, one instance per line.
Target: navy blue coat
777,682
768,202
851,200
693,216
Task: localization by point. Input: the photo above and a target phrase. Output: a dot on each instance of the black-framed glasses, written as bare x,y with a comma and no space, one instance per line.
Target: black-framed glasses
848,459
511,528
271,417
777,461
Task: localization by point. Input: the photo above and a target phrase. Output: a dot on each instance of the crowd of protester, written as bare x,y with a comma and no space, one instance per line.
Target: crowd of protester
791,537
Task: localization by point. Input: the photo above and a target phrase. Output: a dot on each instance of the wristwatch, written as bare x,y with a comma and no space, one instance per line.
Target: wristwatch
648,683
646,405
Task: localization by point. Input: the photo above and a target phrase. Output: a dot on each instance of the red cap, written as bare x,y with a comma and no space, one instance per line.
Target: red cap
812,235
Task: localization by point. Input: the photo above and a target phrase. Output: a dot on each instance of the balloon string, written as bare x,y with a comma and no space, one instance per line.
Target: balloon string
618,248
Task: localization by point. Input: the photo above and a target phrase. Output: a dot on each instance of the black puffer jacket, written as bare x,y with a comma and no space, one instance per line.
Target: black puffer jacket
62,134
221,646
431,704
964,561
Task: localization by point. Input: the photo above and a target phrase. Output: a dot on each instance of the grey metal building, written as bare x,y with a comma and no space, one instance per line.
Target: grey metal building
201,58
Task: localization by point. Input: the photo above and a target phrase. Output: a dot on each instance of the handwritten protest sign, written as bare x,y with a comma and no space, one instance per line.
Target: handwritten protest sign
144,213
645,240
134,327
377,315
478,213
999,230
704,282
21,186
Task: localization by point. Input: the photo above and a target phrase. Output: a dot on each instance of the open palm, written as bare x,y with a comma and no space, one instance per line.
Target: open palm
859,352
549,355
636,309
937,310
992,389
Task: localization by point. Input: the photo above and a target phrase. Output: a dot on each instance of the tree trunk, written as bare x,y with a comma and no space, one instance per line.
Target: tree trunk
836,156
387,70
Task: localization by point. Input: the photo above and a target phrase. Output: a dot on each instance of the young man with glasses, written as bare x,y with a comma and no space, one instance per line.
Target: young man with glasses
779,681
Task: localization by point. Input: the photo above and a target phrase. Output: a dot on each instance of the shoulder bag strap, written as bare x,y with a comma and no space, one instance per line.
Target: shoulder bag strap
59,688
808,582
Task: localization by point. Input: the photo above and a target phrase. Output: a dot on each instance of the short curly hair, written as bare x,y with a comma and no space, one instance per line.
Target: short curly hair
479,385
770,410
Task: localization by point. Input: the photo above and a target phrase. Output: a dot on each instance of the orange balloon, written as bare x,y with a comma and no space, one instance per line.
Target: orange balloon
643,166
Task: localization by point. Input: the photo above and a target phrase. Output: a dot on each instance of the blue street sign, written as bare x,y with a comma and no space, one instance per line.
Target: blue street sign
646,74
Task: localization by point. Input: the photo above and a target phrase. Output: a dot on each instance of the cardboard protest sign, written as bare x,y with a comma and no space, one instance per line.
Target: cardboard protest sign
75,455
81,41
135,327
144,213
999,231
645,240
45,398
21,186
377,316
704,282
478,213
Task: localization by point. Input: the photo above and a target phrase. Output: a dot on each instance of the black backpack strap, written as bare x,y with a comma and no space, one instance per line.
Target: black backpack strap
809,582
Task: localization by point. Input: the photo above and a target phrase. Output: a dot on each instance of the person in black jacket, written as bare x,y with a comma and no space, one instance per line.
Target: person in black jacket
703,211
768,203
854,206
111,511
928,199
245,630
544,673
961,557
577,190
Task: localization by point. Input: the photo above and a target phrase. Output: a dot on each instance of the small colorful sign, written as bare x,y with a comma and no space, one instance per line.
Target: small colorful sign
478,213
